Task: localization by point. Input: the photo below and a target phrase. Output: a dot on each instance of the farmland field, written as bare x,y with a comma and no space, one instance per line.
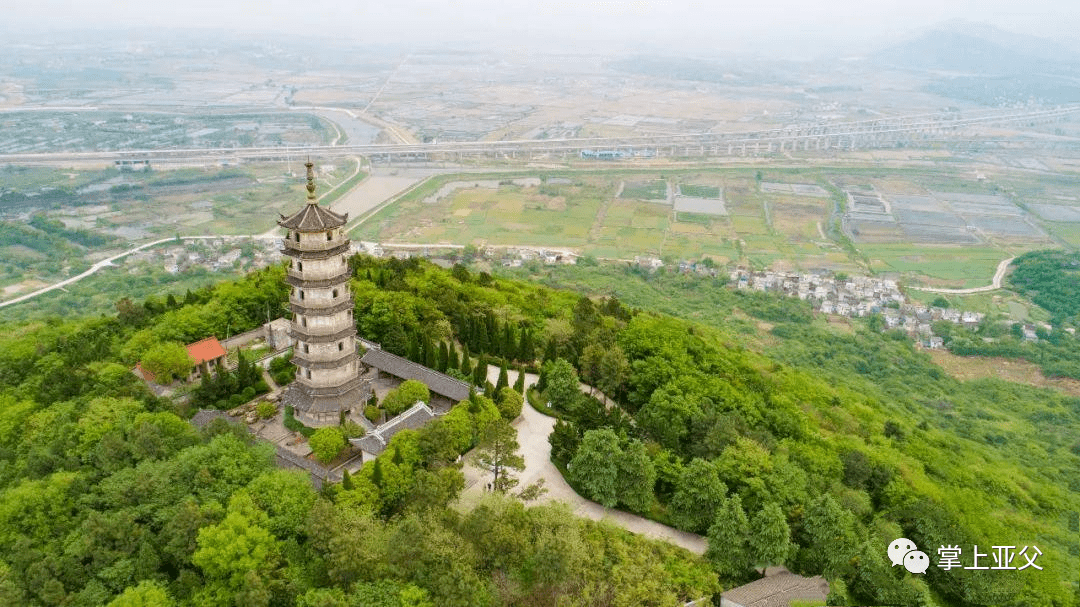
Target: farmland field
938,228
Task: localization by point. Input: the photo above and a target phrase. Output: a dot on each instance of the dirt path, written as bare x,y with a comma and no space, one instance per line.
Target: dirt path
533,429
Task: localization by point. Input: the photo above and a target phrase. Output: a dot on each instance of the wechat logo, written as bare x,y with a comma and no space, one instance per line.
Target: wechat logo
903,551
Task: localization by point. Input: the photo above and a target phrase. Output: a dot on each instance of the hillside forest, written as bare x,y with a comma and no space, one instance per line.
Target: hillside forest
738,417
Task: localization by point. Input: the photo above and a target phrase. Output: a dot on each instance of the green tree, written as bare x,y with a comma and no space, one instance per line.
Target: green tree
327,443
562,384
698,495
404,396
510,403
605,368
729,547
503,380
637,477
146,594
519,383
829,537
235,556
167,361
595,467
770,537
497,452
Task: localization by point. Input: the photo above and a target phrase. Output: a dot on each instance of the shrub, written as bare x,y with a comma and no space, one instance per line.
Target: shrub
327,443
266,410
373,413
294,424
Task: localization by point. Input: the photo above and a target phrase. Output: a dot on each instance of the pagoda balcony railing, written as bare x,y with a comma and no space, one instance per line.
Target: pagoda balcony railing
303,251
315,244
319,274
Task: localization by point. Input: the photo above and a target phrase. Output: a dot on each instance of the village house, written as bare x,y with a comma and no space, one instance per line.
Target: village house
208,355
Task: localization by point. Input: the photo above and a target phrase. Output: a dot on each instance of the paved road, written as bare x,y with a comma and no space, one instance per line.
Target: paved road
104,263
533,429
995,283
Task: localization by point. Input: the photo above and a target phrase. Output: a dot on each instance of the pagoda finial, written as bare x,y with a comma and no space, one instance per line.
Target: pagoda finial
310,182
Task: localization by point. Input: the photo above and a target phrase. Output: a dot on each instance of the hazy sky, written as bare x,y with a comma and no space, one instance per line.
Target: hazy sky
756,25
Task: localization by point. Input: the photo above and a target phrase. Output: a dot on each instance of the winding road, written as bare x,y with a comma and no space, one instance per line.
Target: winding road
533,429
104,263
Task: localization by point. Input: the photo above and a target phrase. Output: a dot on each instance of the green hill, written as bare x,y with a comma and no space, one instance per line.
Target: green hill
728,403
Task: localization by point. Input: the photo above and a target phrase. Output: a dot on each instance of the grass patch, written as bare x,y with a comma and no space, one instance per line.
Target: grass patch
649,190
294,424
699,191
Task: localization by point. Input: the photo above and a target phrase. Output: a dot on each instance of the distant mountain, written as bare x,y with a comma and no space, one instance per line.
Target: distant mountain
978,49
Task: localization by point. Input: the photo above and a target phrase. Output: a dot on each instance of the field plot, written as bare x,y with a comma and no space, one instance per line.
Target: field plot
946,266
655,190
797,189
114,130
1053,212
701,200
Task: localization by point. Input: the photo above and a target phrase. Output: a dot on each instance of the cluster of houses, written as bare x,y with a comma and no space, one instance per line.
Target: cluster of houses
858,296
843,296
214,254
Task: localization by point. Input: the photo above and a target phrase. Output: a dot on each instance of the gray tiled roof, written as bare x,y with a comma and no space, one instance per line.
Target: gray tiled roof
354,392
440,384
412,418
777,591
313,218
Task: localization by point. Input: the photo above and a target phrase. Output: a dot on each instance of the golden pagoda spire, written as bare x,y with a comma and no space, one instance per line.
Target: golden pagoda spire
310,182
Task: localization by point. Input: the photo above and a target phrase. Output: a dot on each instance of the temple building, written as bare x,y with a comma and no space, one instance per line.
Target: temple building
328,380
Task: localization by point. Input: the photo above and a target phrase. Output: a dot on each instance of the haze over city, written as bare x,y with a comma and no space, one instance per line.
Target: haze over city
785,28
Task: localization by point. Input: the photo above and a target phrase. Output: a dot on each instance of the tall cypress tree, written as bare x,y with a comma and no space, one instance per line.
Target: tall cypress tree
376,473
509,352
453,362
415,354
480,372
431,357
483,339
550,352
444,357
504,380
526,351
466,362
519,383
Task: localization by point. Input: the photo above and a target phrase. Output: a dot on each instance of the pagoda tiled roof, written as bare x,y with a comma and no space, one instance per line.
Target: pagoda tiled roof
313,218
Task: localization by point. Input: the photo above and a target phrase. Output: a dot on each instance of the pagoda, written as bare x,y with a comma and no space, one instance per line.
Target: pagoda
328,380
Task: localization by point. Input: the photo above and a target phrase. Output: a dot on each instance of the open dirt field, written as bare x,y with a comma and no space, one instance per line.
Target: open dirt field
976,367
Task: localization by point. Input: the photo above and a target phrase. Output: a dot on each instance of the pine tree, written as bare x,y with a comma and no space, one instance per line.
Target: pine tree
415,354
550,352
397,459
770,542
466,363
729,539
526,350
483,337
504,380
430,356
444,357
480,372
453,362
509,351
519,383
395,340
346,481
376,473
